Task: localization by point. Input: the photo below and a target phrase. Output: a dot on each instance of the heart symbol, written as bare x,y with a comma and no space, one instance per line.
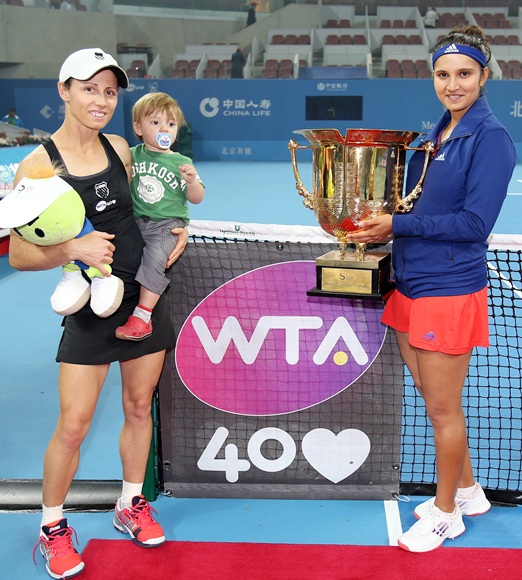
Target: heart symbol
336,456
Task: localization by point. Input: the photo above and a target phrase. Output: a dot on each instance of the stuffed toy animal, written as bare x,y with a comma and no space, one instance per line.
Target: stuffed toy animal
45,210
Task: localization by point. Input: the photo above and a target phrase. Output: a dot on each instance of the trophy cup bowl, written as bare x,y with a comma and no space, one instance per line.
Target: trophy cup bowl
355,177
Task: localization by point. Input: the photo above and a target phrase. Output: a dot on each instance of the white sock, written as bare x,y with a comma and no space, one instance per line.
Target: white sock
466,491
51,514
129,490
144,313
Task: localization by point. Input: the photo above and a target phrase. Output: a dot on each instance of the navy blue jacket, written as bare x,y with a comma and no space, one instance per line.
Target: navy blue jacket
439,247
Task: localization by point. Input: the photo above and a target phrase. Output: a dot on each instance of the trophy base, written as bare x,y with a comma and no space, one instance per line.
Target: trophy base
349,277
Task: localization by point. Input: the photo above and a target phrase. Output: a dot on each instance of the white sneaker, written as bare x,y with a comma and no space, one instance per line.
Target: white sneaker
475,504
431,530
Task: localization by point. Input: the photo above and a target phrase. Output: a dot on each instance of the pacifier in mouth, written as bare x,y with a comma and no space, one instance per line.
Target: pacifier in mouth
164,140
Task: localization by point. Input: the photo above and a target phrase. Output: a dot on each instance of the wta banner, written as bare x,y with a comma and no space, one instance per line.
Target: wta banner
270,392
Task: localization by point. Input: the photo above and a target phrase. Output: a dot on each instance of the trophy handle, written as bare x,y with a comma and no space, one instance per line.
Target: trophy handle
308,198
406,203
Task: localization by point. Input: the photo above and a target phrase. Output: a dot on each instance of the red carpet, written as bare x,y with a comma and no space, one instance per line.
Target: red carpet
121,559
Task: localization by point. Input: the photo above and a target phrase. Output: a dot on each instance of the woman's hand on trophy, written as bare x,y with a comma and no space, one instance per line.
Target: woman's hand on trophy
372,230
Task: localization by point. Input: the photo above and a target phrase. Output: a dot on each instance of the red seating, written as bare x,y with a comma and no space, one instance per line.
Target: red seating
414,39
291,39
331,23
401,39
344,23
269,73
397,23
286,63
393,68
385,23
345,39
409,73
359,39
304,39
423,73
277,39
139,64
285,74
177,73
181,63
499,39
388,39
332,39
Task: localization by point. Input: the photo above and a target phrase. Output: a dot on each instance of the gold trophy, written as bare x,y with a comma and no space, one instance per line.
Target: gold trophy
355,177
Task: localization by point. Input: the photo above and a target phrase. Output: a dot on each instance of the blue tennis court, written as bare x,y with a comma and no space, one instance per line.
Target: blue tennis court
239,194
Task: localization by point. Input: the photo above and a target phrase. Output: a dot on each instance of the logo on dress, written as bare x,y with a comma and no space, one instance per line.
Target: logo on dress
441,157
102,190
429,336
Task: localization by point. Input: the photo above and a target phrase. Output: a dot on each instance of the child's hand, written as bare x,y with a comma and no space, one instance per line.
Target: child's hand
188,172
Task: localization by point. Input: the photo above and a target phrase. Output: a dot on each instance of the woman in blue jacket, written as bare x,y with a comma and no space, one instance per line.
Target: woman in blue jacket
439,309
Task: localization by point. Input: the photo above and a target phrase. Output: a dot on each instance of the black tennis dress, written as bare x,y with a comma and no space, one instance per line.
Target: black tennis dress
88,339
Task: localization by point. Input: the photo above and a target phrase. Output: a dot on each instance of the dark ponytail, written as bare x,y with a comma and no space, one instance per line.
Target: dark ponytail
468,35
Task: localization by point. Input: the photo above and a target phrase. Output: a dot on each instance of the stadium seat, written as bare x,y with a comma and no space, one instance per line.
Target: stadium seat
409,73
407,64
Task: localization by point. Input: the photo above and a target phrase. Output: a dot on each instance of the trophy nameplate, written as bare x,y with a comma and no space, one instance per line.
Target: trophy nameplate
351,277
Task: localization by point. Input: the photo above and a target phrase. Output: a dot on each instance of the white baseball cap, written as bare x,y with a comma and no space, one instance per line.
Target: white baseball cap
85,63
29,199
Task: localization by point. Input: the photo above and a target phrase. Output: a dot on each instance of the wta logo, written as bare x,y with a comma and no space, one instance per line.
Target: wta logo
258,345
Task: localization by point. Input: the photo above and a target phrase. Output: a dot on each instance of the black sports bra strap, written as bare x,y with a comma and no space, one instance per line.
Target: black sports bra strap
54,154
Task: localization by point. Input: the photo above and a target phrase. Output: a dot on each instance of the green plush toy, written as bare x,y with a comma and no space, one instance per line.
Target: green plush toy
46,211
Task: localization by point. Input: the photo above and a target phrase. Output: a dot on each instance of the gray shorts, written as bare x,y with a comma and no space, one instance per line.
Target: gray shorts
159,243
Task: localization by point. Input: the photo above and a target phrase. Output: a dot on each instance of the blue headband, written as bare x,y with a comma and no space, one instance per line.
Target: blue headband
473,53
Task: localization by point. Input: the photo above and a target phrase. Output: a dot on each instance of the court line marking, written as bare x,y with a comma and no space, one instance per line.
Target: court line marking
393,521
